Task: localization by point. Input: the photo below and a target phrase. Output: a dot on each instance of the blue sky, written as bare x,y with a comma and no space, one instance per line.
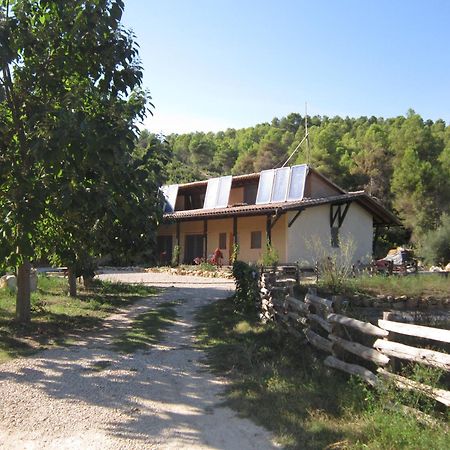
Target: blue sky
217,64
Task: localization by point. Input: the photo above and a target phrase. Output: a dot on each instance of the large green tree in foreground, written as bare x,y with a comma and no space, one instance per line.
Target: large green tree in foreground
69,98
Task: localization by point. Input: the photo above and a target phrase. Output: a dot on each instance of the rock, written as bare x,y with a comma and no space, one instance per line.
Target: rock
33,280
8,281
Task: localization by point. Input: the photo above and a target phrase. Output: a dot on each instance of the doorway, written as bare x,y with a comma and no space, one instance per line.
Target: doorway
164,249
193,248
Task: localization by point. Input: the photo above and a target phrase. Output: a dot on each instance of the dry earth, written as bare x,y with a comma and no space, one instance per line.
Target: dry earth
88,396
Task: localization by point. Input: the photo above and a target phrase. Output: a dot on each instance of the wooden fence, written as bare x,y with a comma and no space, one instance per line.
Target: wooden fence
354,346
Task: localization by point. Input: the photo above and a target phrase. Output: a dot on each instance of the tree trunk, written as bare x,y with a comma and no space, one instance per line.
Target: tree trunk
23,301
88,281
72,282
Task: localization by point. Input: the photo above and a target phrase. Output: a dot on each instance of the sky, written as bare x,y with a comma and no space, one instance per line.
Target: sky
216,64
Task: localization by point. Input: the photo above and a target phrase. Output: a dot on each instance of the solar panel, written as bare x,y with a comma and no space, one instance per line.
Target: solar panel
217,192
280,184
297,184
170,193
265,186
212,190
224,192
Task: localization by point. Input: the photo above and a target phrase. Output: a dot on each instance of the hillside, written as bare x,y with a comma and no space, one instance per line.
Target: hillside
403,161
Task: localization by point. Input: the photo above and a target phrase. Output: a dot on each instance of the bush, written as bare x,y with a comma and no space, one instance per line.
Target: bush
334,267
435,245
247,293
270,257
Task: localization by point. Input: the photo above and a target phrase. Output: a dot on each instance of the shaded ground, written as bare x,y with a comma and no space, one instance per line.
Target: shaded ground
89,396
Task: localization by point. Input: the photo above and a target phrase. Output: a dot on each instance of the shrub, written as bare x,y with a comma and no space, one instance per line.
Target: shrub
269,257
435,245
246,279
334,267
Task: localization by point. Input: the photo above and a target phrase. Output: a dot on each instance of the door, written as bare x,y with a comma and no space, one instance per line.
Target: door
193,248
164,246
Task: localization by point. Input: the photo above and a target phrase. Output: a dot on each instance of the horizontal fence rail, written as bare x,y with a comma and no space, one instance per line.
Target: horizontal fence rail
353,346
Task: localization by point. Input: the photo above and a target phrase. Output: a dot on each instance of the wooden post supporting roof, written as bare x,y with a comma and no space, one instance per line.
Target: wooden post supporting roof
235,228
178,242
269,229
205,240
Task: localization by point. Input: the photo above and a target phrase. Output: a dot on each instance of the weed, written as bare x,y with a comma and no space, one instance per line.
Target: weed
147,328
285,387
54,314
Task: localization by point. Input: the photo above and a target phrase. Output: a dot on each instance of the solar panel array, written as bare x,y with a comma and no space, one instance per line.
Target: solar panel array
170,193
280,185
217,192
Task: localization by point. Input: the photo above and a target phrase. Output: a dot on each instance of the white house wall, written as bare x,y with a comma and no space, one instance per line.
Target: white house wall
313,225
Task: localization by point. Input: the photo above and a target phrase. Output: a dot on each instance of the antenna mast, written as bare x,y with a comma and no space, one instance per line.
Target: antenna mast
308,156
305,138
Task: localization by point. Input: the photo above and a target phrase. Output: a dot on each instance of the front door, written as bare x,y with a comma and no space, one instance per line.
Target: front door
164,248
193,248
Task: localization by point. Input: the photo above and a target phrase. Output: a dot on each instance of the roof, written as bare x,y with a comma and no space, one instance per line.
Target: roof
381,215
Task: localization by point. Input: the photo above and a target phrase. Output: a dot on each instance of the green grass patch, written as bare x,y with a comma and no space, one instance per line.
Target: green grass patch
284,386
55,315
411,285
147,328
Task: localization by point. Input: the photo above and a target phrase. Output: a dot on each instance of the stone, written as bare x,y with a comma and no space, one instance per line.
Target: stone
33,280
8,281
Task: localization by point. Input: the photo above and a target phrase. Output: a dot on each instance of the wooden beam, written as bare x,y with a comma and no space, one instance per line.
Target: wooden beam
235,230
296,304
420,355
322,322
342,214
205,239
362,351
352,369
359,325
440,395
277,218
318,301
333,214
436,334
269,229
318,341
178,242
295,218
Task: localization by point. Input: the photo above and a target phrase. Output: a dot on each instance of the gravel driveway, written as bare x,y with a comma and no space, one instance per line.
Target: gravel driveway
88,396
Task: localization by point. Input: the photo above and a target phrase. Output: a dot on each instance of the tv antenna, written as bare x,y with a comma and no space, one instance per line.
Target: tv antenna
305,138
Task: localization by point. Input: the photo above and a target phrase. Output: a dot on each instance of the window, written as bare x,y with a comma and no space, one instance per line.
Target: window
223,241
335,237
250,191
255,239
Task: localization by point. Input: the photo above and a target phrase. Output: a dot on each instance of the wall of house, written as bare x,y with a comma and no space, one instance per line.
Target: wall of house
236,196
313,226
245,226
316,187
215,227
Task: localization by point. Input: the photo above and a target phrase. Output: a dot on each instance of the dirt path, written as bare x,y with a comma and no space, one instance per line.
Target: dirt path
88,396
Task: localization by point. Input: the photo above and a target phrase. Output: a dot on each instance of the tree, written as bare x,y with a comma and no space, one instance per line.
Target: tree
70,79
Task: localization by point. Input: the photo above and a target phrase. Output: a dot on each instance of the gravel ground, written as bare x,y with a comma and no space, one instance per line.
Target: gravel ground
88,396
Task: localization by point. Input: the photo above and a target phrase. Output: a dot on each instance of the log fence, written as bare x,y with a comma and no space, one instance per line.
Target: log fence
360,348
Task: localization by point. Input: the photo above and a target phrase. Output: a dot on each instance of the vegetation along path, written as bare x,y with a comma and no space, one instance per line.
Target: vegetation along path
112,391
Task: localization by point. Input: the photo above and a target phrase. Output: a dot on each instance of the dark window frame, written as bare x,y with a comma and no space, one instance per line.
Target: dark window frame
223,240
256,240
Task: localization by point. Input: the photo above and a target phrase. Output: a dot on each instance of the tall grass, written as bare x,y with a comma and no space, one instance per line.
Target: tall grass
283,385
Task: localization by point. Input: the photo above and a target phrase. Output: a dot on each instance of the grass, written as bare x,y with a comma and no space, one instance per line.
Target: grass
147,328
55,316
284,386
411,285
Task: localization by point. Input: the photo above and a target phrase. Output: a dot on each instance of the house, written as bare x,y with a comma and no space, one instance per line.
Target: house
287,207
